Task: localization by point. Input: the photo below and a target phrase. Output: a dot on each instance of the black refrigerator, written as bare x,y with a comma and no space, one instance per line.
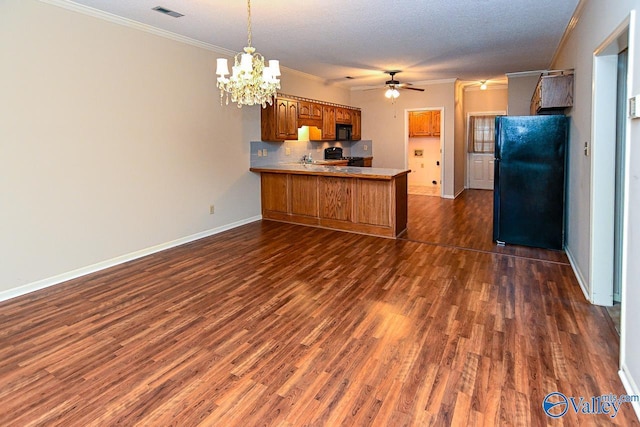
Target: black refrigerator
529,180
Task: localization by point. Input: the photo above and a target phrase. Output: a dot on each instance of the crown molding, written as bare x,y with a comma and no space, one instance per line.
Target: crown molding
110,17
533,73
577,14
106,16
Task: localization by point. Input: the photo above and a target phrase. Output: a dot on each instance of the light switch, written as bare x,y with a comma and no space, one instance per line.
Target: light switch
634,112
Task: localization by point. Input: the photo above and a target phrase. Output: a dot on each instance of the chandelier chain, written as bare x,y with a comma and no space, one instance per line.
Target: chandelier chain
249,22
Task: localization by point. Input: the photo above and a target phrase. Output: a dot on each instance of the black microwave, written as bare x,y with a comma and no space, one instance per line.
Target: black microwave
343,132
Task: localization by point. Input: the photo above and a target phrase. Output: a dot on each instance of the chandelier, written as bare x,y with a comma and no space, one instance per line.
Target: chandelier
251,82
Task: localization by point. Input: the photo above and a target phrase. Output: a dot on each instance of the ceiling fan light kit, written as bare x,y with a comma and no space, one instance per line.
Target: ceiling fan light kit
392,92
394,85
251,82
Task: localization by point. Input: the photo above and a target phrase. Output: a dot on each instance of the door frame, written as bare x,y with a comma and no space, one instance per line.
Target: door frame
467,179
406,140
603,162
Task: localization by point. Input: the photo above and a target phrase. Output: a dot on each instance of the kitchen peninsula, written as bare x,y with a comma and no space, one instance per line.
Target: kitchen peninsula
360,200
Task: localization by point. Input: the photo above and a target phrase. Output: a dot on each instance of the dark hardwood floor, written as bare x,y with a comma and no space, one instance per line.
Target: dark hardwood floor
464,222
277,324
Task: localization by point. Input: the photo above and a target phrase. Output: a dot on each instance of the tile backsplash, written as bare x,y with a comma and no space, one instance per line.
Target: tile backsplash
269,153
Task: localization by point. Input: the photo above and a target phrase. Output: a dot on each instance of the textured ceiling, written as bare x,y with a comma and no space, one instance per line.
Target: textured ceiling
332,39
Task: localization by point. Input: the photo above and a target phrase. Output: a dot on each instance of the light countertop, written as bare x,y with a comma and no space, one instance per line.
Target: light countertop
328,170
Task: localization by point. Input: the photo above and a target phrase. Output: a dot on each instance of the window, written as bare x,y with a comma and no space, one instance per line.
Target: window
482,133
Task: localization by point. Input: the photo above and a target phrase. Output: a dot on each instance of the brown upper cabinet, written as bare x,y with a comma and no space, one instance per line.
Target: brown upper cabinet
309,114
424,123
356,126
280,121
328,122
343,115
553,93
435,123
420,123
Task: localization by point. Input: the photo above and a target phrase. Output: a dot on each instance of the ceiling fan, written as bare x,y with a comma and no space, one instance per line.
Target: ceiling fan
393,86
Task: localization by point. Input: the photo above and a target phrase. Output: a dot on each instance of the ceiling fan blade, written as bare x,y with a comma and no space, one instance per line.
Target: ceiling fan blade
413,88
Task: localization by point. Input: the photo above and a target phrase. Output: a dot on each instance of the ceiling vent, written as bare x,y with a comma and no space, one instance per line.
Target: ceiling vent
167,12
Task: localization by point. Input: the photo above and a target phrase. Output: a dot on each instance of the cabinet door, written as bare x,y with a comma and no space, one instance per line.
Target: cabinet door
275,192
286,119
328,122
336,198
420,123
304,195
343,115
304,109
316,111
356,127
435,123
309,110
380,191
292,120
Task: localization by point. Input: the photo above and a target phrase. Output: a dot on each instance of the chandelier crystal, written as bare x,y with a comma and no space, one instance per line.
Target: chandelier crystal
251,82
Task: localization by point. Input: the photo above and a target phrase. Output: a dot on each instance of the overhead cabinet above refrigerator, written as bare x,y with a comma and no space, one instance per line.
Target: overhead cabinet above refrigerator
529,189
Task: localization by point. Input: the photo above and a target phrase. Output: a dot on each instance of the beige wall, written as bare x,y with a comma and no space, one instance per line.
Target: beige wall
113,144
424,167
521,87
599,20
312,87
492,99
386,125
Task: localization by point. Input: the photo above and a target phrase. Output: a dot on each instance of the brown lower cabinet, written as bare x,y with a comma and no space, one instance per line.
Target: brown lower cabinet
376,206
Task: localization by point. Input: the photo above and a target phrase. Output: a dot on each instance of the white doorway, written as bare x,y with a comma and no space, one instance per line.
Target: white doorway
480,141
424,151
608,152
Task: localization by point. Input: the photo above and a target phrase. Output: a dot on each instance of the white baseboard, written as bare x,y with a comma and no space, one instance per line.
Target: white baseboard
631,388
452,197
51,281
581,280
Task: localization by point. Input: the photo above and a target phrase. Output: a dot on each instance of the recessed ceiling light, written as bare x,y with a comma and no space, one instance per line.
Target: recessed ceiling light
167,11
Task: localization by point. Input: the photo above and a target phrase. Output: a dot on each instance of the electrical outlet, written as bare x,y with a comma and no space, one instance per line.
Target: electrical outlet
264,152
211,210
259,153
422,165
287,151
365,147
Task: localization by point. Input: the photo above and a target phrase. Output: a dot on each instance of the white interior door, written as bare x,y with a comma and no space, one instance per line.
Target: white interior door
481,168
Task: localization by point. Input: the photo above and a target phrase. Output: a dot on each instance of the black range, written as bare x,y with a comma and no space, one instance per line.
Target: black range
335,153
